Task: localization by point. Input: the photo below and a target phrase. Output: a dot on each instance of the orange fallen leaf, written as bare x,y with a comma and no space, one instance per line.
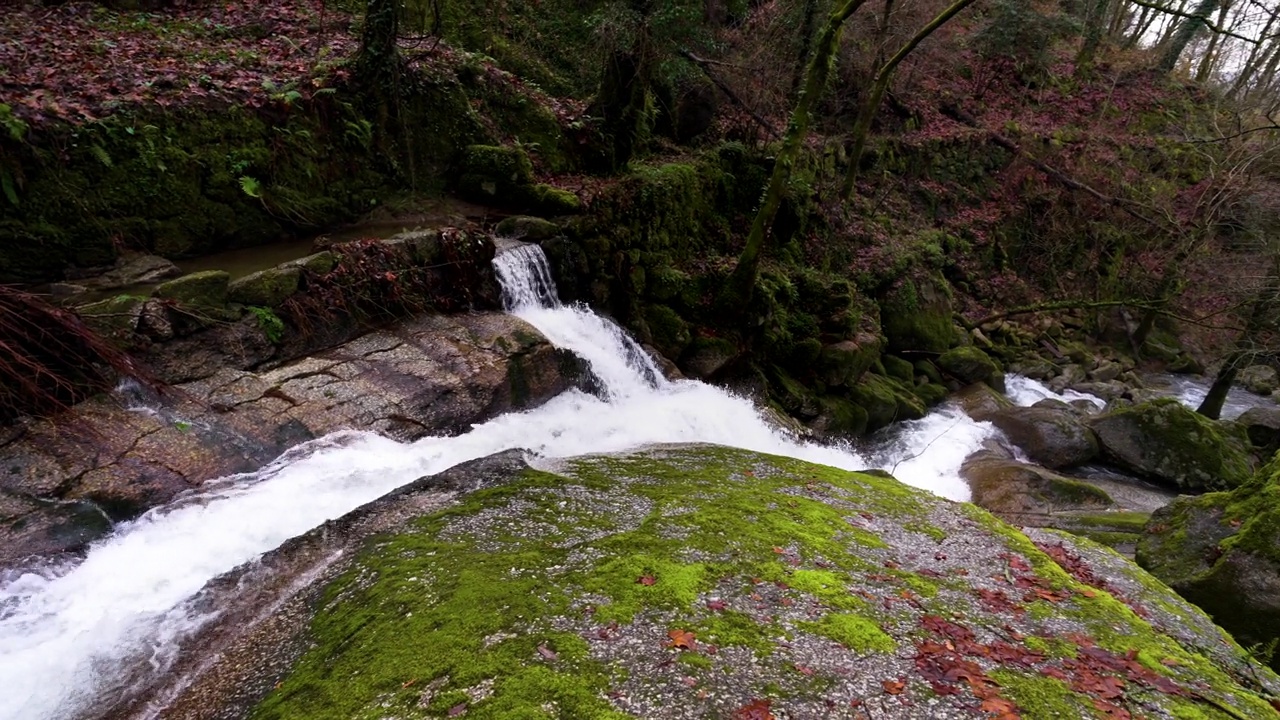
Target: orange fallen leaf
755,710
894,687
682,640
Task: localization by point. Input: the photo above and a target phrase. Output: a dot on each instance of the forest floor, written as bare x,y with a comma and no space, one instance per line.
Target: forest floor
80,62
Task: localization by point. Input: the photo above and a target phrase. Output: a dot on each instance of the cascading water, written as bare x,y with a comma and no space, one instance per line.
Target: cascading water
65,633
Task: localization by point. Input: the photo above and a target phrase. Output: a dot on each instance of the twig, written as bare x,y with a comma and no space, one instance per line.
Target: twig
702,64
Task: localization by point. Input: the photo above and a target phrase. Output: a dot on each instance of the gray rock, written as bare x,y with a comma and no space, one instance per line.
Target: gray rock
206,289
1053,437
527,229
1259,379
135,270
1262,425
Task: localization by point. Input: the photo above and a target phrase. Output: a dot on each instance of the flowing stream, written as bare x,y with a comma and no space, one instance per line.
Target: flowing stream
66,632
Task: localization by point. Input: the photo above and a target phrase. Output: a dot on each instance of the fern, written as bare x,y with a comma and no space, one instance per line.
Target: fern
271,324
101,154
251,187
6,184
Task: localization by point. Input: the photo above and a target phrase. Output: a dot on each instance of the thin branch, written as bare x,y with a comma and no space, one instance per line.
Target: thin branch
704,65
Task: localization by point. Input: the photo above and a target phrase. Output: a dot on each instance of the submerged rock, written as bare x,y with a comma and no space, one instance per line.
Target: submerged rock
1166,441
692,582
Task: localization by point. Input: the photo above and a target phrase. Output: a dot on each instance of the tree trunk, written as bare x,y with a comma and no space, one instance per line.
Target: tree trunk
1211,406
379,55
1209,59
871,102
1185,33
1093,28
738,289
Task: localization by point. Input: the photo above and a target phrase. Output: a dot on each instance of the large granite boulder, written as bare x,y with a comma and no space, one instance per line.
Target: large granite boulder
1170,443
696,582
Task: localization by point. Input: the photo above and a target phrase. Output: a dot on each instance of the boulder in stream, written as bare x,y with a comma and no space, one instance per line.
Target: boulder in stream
1259,379
1054,436
691,582
1166,441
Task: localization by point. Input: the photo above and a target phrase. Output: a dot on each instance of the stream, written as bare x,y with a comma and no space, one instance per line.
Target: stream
68,631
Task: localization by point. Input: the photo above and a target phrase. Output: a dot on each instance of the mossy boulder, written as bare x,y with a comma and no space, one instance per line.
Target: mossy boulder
979,401
1259,379
1053,436
1262,425
696,581
206,289
318,263
842,364
706,356
971,365
495,174
667,330
117,314
916,313
885,401
265,288
1168,442
898,369
548,200
526,228
1023,493
1221,551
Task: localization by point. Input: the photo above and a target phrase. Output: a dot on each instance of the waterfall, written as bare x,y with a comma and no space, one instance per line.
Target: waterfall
68,632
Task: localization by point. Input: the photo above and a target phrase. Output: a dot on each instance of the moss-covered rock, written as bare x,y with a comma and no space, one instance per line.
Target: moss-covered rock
265,288
1222,552
114,315
696,581
916,315
667,330
1166,441
495,174
317,263
706,356
526,228
206,289
1023,493
842,364
898,369
971,365
548,200
885,401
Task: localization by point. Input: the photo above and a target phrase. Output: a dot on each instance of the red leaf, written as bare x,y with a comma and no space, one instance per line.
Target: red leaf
755,710
893,687
682,640
646,580
716,605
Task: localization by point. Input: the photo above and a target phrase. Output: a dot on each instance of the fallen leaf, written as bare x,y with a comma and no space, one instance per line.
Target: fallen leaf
547,652
804,669
716,605
893,687
682,640
755,710
408,683
457,710
646,580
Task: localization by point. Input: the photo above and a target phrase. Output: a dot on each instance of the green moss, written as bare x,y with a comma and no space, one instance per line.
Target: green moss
548,200
916,315
1038,696
852,631
1128,522
731,628
199,289
667,330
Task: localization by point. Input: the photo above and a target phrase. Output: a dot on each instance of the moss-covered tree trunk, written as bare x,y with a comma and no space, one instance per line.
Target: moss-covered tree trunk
871,101
737,292
1094,27
1185,33
379,71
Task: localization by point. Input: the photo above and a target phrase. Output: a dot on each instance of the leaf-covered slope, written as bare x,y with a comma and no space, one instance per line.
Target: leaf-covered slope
689,582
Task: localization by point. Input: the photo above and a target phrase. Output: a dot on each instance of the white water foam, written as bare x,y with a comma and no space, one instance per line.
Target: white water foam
1025,391
66,634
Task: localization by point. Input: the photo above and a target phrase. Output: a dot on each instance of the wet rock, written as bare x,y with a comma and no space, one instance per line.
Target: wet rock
119,314
492,173
979,401
916,315
1070,376
1023,493
1053,437
668,331
970,365
432,375
318,263
670,514
1106,371
202,289
1166,441
1259,379
1105,390
548,200
265,288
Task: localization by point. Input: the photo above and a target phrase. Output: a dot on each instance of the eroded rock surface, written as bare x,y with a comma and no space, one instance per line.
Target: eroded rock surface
695,582
435,374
